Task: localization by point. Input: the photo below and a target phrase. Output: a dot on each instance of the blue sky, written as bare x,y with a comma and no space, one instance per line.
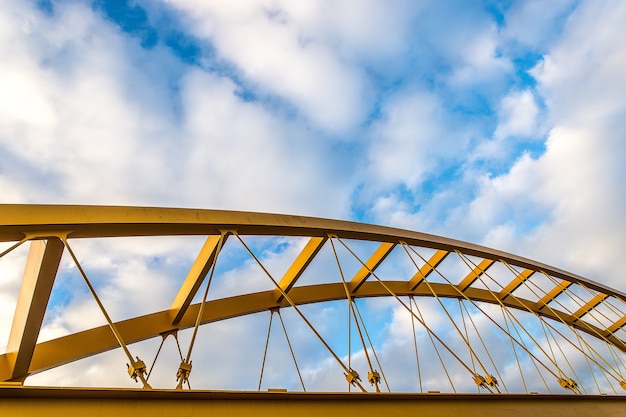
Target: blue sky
495,122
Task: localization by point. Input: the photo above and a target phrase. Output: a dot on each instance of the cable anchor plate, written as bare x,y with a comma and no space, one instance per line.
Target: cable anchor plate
352,377
136,369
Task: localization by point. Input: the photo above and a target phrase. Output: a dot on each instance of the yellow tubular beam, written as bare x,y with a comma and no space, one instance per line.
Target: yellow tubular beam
18,220
372,263
476,272
616,326
80,345
428,268
298,266
590,305
196,275
41,269
552,294
517,281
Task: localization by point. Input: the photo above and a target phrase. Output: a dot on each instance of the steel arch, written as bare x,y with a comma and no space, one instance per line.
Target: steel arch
52,224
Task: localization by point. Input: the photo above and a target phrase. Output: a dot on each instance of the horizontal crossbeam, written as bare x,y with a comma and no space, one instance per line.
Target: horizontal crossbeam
553,293
616,326
310,250
590,305
372,263
428,268
480,269
516,283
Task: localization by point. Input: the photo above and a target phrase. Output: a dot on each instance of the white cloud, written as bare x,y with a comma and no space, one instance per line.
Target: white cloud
520,120
517,115
532,23
369,29
581,76
273,50
576,183
414,137
585,232
481,63
104,126
274,162
80,136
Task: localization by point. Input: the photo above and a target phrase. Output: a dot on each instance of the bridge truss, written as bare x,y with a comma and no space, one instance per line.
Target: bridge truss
292,306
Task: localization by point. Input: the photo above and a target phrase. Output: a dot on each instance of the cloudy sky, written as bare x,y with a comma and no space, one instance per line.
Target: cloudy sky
496,122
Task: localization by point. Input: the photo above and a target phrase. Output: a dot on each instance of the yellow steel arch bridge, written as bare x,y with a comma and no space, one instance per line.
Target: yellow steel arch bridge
368,319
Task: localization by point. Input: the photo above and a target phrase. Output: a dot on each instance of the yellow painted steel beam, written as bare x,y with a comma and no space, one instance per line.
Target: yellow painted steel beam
428,268
589,305
80,345
196,275
19,220
57,402
553,293
46,222
310,250
515,283
616,326
480,269
372,263
41,269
